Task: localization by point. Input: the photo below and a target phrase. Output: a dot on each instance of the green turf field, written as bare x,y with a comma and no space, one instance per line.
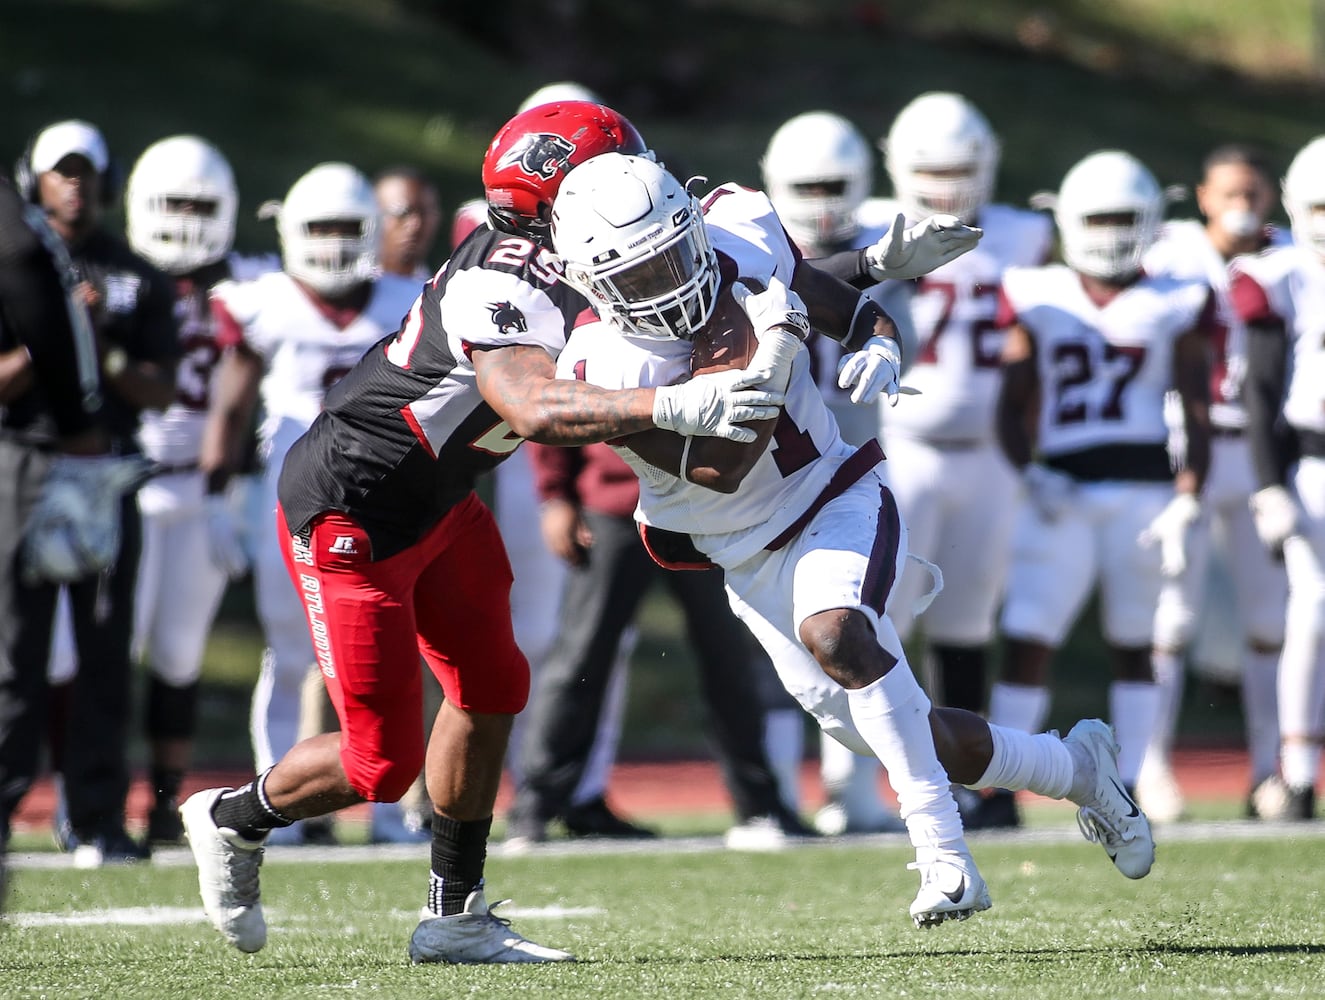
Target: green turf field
1229,911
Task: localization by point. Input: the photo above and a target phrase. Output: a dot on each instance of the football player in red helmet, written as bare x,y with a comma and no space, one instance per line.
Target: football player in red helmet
527,159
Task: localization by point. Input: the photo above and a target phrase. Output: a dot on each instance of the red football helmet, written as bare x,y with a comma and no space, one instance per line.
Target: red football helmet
532,152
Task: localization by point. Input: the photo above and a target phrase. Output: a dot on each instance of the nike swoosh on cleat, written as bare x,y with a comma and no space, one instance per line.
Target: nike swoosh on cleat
956,895
1135,809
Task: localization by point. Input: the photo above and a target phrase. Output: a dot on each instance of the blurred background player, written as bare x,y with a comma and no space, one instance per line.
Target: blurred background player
51,441
1092,346
288,336
953,485
818,171
411,216
1235,197
181,202
1279,294
67,171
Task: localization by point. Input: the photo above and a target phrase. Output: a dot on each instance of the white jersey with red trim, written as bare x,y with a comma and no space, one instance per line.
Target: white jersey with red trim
729,528
958,343
304,349
1288,284
173,436
1183,250
1103,369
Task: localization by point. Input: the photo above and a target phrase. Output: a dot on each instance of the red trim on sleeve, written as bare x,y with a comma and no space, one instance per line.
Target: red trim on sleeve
1006,313
228,331
417,428
1250,303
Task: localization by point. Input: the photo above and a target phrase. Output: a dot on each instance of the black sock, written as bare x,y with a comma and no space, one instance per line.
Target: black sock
247,811
962,669
459,850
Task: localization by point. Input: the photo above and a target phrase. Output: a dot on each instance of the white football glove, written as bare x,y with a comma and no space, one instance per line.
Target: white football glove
873,370
1170,530
225,540
714,405
73,531
781,325
910,253
1276,516
1048,491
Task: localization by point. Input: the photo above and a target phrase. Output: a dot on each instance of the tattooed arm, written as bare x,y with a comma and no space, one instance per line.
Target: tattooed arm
520,383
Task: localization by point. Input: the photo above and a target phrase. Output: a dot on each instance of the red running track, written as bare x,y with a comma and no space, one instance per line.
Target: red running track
641,790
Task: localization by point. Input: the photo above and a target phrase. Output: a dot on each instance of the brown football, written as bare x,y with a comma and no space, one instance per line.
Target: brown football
728,341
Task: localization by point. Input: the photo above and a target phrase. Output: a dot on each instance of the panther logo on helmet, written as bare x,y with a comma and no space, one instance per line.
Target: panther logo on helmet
540,154
507,318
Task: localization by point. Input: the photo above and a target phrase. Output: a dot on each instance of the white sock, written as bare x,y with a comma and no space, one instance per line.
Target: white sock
849,778
784,743
1134,712
1169,677
892,716
1019,706
1260,708
1039,763
1301,762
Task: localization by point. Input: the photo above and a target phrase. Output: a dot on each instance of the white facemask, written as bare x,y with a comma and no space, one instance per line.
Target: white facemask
1240,223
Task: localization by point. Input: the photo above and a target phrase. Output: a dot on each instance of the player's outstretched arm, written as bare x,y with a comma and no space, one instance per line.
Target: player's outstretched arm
520,383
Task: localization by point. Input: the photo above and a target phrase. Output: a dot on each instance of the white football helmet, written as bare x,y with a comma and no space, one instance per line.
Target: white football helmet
633,241
329,264
941,132
1304,190
563,90
180,204
817,171
1108,183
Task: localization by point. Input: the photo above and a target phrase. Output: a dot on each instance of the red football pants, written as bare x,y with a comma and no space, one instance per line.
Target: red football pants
447,597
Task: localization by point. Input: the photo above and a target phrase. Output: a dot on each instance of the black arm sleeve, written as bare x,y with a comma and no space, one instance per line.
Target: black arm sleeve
849,265
1269,436
36,312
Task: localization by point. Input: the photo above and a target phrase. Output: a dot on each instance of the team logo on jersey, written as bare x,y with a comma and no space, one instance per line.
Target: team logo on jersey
541,154
506,318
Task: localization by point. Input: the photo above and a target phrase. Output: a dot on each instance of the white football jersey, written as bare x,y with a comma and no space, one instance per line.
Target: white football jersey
1103,369
173,436
305,352
729,528
1288,283
958,344
1183,250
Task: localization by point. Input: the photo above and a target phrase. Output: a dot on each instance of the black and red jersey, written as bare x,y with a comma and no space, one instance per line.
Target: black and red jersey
404,436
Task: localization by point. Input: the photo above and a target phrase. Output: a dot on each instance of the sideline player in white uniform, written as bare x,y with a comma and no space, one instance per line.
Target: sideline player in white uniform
1235,196
804,528
290,335
1092,347
180,207
1280,295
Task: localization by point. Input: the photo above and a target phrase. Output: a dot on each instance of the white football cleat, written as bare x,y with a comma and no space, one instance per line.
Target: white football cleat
227,873
951,888
475,937
1108,815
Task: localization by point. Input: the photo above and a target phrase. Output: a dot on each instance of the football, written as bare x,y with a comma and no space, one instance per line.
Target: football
728,341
